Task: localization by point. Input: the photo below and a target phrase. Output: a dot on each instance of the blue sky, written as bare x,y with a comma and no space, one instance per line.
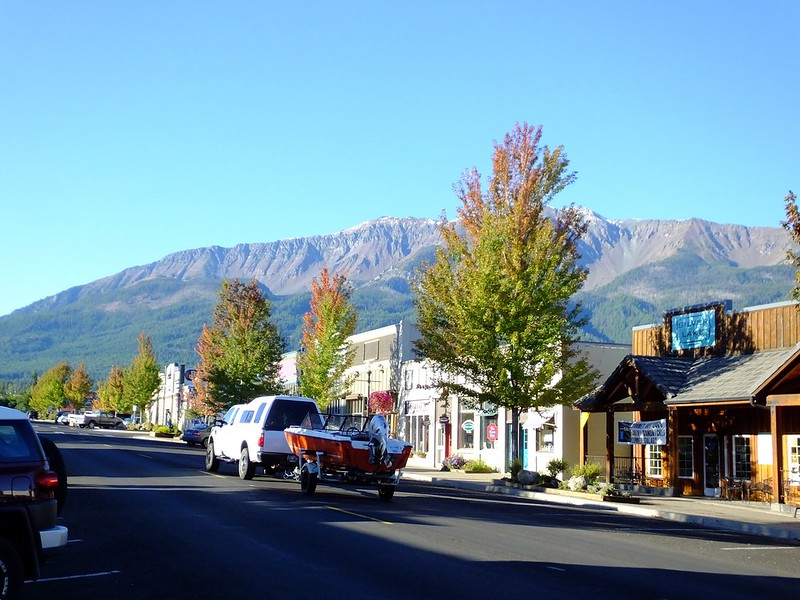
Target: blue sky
130,130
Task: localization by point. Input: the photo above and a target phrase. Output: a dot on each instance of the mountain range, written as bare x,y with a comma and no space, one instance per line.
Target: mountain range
637,270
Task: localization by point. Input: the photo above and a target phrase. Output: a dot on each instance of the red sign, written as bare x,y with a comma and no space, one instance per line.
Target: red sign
491,432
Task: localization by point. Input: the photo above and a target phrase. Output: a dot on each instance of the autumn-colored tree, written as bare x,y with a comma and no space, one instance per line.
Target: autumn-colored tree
494,312
50,390
77,388
325,352
792,225
141,378
110,393
240,352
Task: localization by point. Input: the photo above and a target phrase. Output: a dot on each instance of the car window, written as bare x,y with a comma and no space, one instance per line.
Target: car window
285,413
260,411
18,443
247,416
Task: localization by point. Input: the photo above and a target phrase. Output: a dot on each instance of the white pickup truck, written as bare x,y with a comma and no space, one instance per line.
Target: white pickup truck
252,434
93,419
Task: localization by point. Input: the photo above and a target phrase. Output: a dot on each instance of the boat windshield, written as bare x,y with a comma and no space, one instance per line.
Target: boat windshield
344,422
313,420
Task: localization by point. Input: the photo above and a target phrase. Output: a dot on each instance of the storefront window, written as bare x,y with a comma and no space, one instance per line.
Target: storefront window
490,431
653,460
685,456
741,457
545,437
466,429
794,460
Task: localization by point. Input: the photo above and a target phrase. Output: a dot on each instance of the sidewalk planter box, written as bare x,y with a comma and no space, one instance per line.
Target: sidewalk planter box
560,492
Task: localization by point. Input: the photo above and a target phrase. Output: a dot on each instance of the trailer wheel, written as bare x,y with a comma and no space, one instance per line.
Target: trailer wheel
212,462
385,492
308,481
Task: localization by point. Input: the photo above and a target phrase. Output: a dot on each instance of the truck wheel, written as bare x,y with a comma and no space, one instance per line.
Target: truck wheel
308,481
212,462
91,424
246,467
10,571
385,492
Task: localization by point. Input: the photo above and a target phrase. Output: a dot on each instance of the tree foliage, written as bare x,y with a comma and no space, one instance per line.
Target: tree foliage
50,390
140,380
792,225
110,392
494,311
325,355
78,386
240,352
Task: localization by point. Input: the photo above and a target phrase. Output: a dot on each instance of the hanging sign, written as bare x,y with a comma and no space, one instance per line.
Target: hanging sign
491,432
643,433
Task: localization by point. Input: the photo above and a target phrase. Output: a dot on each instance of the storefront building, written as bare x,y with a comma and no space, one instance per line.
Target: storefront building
708,404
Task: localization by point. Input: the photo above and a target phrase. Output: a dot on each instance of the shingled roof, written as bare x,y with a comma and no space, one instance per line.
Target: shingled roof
692,380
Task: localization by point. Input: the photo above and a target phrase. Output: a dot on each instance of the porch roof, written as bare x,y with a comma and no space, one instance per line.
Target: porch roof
676,381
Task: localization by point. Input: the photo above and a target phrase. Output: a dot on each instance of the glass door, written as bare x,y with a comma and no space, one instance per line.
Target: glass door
711,462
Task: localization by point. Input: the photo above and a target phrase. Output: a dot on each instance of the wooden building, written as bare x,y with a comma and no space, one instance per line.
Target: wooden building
708,404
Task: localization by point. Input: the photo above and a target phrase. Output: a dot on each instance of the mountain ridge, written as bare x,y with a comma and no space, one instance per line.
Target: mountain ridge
636,269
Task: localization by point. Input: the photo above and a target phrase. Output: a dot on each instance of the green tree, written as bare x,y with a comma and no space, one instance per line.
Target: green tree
78,386
494,306
50,389
111,392
240,353
326,354
792,225
141,378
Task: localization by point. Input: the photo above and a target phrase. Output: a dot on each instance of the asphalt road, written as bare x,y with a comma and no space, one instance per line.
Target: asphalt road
147,522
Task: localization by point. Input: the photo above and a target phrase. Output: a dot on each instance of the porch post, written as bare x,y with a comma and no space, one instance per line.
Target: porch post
672,448
609,446
777,453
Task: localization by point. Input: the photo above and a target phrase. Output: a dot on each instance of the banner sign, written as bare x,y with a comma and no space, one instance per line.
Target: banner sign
643,433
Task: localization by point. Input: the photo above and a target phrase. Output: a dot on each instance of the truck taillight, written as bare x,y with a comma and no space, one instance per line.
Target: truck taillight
261,440
46,480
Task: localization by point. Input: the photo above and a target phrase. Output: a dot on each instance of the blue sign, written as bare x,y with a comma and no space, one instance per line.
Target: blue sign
694,330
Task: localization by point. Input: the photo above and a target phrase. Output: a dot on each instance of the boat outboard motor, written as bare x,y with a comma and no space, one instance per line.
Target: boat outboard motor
378,439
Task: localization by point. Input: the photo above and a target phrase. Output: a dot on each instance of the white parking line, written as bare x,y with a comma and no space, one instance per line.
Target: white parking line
86,576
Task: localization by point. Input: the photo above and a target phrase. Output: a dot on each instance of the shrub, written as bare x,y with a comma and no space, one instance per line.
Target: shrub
556,466
591,472
516,467
163,429
478,466
454,461
420,454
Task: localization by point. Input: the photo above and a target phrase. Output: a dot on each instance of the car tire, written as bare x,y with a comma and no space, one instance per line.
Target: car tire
204,443
212,462
247,468
56,462
91,424
11,575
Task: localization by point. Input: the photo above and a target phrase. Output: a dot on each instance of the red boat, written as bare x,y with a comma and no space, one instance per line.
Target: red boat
344,450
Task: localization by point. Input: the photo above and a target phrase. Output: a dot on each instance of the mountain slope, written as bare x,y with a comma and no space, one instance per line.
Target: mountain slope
637,269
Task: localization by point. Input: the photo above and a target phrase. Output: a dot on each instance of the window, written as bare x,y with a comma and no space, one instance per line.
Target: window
685,456
466,430
653,460
794,460
741,457
247,416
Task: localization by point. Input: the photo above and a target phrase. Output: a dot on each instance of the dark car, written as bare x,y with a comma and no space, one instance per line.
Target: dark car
30,489
197,435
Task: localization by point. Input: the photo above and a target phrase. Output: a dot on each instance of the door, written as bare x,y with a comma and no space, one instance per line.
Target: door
711,462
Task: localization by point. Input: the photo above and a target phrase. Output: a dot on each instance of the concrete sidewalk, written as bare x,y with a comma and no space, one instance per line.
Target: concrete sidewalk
752,518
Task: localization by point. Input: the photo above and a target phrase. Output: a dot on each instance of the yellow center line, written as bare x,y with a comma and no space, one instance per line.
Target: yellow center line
355,514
